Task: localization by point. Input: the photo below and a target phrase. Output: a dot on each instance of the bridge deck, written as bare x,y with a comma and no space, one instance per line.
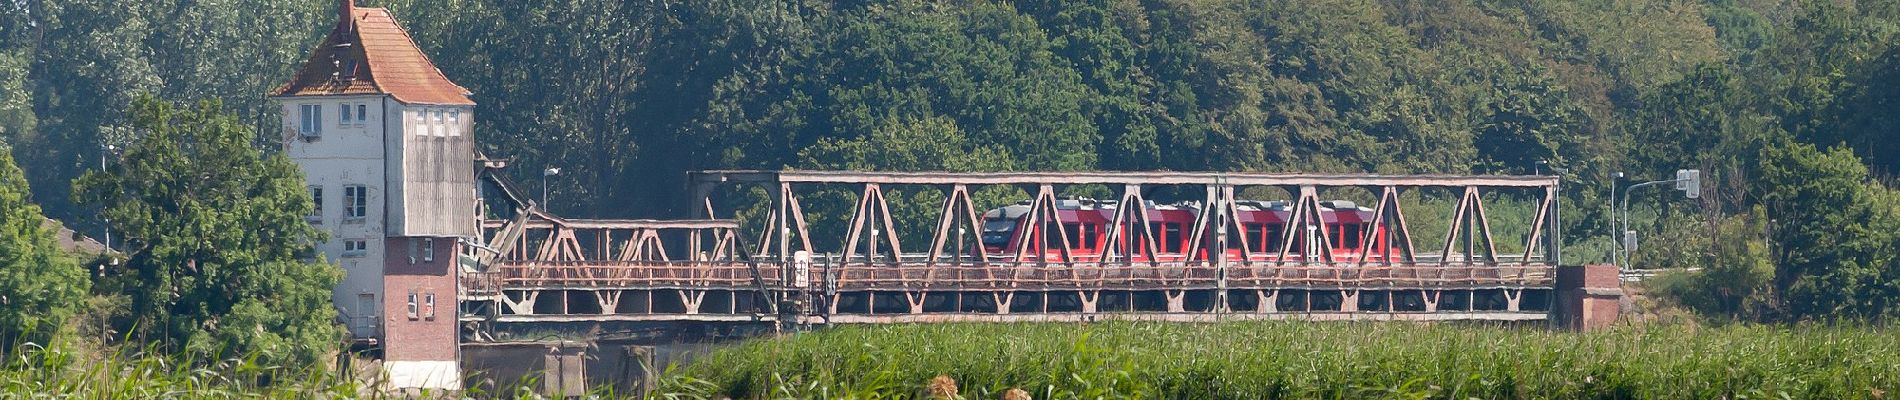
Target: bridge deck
543,268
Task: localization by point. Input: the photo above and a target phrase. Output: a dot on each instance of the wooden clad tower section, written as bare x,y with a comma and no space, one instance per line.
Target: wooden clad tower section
386,143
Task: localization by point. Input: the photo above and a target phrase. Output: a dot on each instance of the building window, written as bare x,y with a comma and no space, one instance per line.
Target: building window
428,250
311,116
437,123
428,304
355,248
414,309
455,124
355,202
422,123
352,114
316,204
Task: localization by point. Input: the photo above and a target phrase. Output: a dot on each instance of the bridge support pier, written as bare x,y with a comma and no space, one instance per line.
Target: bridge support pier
1176,301
1588,297
1349,301
1431,299
1089,300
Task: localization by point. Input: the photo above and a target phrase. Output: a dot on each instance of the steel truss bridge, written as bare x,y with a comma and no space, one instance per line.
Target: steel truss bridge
538,267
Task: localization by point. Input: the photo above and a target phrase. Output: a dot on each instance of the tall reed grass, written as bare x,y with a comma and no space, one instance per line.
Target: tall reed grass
35,371
1263,360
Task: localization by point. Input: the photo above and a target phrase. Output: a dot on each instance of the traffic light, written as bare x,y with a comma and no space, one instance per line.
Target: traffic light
1689,181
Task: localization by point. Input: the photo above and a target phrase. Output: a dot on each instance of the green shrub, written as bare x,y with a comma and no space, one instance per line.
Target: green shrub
40,286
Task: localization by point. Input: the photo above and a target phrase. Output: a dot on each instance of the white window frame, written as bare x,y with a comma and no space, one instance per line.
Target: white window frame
343,117
436,127
455,123
310,117
355,203
362,114
316,202
414,309
428,303
422,122
428,249
353,248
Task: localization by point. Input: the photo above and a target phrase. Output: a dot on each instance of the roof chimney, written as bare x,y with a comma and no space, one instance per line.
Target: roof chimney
345,16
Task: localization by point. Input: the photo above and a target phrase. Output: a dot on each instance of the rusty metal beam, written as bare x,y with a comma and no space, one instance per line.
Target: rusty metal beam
701,178
536,223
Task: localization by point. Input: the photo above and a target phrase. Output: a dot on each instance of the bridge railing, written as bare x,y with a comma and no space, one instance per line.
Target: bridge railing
632,274
972,276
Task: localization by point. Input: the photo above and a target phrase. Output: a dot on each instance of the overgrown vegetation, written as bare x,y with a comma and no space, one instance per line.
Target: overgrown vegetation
40,285
1786,105
626,96
1262,360
69,372
219,257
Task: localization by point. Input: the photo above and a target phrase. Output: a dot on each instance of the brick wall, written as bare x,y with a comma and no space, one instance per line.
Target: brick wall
425,331
1588,296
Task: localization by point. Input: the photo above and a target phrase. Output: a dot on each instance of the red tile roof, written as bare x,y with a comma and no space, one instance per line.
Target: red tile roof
385,59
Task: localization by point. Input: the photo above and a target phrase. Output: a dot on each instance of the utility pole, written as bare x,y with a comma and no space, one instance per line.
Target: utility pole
1689,181
547,174
1557,219
105,149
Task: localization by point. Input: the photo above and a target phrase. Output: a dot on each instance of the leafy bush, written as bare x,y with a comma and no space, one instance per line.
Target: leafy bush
40,286
221,258
1736,276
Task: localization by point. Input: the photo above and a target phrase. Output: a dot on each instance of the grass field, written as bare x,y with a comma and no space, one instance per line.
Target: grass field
1247,360
1303,360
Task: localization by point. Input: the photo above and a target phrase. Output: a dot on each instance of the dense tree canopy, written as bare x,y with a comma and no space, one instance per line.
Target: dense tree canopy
220,257
627,95
40,285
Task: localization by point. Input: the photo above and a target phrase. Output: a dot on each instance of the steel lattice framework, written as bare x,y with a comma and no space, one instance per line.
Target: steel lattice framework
626,269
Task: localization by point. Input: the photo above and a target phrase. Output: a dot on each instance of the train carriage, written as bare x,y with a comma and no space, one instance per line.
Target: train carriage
1009,234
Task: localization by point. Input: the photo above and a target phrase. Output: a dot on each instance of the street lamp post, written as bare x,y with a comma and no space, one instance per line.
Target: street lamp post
1687,180
1616,231
1557,219
104,150
547,174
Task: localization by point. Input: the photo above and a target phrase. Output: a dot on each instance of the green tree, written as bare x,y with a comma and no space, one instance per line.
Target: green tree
40,286
16,102
1834,246
221,260
1734,283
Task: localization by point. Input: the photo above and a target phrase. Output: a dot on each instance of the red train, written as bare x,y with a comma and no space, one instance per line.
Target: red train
1086,222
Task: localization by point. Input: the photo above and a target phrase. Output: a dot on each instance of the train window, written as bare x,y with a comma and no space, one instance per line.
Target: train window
1233,238
1276,234
1257,237
1174,240
1141,236
1349,236
1080,236
997,231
